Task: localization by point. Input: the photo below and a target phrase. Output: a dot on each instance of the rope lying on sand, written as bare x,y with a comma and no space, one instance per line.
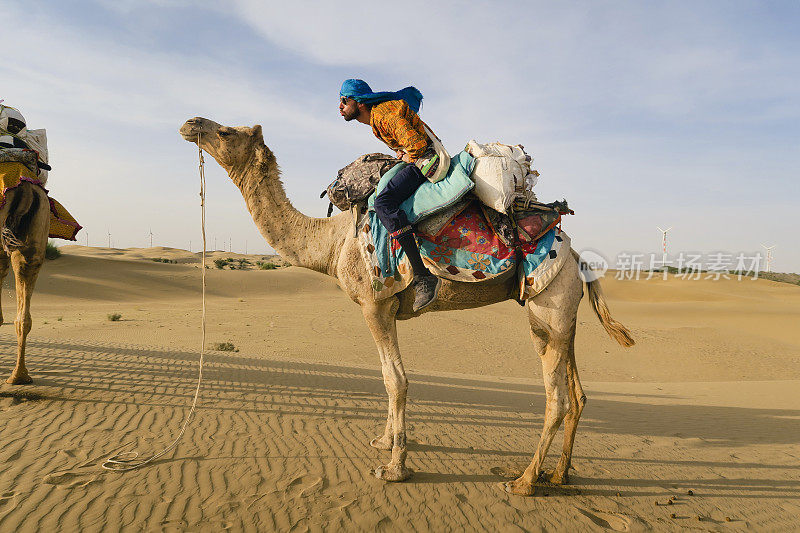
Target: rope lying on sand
124,461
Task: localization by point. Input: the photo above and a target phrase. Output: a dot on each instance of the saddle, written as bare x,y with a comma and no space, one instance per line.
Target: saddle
468,242
527,223
459,238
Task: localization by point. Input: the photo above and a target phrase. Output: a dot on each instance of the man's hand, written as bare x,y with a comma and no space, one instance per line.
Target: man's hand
402,156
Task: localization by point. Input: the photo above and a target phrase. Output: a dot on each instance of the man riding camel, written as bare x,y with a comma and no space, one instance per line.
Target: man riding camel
394,120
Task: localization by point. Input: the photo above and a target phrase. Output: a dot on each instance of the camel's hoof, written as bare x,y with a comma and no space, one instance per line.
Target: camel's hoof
555,477
381,443
19,380
393,473
520,488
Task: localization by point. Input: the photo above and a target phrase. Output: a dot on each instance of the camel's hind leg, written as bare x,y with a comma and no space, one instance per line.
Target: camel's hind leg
554,368
577,400
380,317
26,264
552,315
5,262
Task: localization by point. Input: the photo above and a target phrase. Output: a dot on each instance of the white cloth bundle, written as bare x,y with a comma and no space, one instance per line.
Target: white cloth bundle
502,173
12,127
15,134
37,140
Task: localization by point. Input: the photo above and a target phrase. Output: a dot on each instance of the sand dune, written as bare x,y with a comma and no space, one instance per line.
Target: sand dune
707,401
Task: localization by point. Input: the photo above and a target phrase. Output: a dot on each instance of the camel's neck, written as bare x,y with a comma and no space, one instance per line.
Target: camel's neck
304,241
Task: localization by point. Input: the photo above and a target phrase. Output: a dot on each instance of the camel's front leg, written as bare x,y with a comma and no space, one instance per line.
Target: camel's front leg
380,317
26,270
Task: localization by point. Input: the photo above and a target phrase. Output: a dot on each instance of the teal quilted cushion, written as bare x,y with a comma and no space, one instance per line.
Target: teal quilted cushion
432,197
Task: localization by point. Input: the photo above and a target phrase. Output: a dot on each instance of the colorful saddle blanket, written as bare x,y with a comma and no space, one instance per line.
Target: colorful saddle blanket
62,224
465,249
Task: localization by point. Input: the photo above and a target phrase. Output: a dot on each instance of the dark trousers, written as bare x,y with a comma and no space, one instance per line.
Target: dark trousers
398,190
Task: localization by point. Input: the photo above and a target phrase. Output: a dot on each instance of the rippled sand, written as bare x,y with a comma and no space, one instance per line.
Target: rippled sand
708,401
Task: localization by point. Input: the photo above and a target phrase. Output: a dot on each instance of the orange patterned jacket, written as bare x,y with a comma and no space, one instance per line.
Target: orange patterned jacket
399,127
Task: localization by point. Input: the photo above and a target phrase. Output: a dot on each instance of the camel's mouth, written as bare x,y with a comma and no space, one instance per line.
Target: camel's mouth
188,135
190,129
196,126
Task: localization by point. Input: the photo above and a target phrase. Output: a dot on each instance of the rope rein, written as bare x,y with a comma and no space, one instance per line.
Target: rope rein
125,461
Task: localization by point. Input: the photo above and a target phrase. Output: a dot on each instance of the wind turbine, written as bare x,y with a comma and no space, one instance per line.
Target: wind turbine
109,238
664,238
151,237
768,260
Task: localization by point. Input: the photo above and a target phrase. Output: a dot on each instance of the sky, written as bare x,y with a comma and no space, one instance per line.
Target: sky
640,114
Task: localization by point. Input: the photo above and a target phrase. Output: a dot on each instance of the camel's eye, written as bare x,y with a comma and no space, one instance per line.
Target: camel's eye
223,133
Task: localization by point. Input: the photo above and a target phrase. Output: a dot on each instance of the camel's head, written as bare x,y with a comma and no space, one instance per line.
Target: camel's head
231,147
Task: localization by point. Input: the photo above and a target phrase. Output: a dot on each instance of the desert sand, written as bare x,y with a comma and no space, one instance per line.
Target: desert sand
708,401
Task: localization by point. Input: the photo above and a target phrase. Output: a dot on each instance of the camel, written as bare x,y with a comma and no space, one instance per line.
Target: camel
25,219
327,245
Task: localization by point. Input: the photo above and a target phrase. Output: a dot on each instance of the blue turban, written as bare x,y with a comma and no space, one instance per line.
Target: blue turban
359,91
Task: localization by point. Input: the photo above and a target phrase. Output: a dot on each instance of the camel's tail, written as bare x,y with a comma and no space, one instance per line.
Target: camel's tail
617,331
15,216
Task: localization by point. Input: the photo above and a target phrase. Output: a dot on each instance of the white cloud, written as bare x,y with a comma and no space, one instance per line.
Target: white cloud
611,99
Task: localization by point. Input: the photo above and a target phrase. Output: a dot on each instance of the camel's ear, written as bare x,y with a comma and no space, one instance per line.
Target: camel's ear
257,132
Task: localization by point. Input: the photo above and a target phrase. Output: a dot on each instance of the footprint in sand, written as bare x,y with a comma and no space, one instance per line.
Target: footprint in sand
323,501
345,500
305,485
315,486
384,524
69,480
607,520
506,472
6,497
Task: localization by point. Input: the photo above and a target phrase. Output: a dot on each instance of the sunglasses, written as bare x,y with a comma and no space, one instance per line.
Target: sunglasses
343,100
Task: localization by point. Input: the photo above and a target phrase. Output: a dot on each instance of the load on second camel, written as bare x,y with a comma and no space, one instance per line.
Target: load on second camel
24,158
